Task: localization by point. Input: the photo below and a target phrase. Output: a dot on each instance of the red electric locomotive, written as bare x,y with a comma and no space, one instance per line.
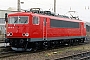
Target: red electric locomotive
41,29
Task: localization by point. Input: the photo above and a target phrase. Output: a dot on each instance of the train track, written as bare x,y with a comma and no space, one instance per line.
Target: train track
78,56
11,53
5,54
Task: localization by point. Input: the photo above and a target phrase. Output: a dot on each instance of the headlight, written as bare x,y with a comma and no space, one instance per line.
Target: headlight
26,34
9,34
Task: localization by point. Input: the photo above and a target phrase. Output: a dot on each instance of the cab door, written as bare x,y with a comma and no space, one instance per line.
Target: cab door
82,29
44,30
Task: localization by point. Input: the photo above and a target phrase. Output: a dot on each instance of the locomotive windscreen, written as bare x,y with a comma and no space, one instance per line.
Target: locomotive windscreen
18,20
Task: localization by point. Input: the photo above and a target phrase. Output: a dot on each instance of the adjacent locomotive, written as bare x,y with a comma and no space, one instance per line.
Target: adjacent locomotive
42,29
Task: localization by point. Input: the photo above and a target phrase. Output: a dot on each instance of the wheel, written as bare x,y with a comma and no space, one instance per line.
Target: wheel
52,44
45,45
36,47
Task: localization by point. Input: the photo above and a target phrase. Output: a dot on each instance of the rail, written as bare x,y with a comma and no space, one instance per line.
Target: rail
78,56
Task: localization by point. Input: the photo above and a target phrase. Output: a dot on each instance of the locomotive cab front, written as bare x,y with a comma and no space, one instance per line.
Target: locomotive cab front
17,31
18,26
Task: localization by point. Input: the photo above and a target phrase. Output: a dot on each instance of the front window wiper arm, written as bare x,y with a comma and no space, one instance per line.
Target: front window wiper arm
15,21
25,21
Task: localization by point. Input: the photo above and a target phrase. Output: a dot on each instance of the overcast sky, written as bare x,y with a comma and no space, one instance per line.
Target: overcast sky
82,7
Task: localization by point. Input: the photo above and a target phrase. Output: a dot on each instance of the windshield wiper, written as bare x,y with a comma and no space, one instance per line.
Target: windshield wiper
15,21
25,21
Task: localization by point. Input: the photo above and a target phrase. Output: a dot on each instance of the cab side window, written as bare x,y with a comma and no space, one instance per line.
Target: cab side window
35,20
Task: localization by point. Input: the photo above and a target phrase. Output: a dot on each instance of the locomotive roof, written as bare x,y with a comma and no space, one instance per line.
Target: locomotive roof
19,13
51,17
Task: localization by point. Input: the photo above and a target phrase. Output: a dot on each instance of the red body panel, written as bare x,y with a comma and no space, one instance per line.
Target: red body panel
40,31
